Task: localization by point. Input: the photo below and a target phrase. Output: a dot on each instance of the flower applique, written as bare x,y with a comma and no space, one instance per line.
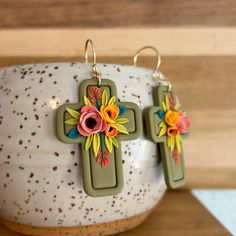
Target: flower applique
175,123
99,121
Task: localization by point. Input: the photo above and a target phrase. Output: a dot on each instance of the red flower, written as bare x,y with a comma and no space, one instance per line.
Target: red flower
105,161
176,156
95,94
172,101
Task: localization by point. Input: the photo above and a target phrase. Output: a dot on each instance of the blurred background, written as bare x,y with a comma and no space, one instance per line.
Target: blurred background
197,41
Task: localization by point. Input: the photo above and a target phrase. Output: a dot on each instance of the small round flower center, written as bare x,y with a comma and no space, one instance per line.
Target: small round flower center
172,131
109,113
110,129
90,123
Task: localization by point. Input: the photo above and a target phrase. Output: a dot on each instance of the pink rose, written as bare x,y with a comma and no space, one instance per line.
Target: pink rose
184,123
90,121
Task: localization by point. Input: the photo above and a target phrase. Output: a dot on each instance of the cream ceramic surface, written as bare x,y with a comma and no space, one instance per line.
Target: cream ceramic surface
40,177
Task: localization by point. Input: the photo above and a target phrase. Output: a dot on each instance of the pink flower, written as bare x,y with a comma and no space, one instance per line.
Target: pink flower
184,123
90,121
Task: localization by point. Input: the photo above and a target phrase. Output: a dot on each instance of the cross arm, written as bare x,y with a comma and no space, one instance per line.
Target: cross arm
62,128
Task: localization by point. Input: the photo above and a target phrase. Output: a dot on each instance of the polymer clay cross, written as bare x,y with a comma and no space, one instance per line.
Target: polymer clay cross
166,126
99,122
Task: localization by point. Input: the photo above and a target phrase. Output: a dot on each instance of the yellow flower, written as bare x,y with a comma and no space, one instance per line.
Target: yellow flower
110,113
171,118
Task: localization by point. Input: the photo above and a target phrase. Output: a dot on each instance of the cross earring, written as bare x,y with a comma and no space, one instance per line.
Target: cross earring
99,123
166,125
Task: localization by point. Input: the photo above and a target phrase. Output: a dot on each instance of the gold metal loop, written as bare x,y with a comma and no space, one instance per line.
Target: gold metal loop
95,72
156,73
157,53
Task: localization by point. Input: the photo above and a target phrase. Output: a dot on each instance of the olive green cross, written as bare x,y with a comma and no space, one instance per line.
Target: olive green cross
174,173
99,181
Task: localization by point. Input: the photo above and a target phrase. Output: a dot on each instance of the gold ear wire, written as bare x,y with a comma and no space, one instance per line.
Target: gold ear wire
156,73
158,63
95,73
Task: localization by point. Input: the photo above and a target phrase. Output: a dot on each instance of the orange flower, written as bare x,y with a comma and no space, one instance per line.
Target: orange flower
172,131
111,130
172,118
110,113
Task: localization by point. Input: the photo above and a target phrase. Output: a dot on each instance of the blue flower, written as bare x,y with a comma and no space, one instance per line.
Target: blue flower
73,133
161,114
122,110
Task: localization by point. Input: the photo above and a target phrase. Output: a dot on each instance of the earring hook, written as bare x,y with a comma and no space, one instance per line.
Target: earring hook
156,73
95,72
152,48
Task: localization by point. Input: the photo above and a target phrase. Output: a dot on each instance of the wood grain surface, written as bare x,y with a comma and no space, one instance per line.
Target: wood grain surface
206,86
116,42
122,13
178,213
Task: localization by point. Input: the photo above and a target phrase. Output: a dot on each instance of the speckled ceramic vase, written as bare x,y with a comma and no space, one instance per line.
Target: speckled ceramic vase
41,189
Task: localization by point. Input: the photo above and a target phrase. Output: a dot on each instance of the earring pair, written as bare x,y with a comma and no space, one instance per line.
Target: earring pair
100,122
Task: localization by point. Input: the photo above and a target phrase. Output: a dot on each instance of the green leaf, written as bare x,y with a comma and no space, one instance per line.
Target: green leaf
104,98
86,101
168,141
71,122
96,144
88,142
162,124
112,100
163,106
73,113
108,143
180,138
115,143
121,120
162,131
178,143
172,143
167,102
121,129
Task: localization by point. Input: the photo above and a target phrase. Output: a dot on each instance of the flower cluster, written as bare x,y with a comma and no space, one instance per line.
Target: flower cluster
174,124
99,121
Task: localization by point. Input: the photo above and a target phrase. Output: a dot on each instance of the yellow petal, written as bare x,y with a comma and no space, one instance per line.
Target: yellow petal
162,131
104,98
115,143
86,101
96,143
172,143
112,100
71,122
121,129
108,143
73,113
168,141
88,142
121,120
162,124
163,106
167,102
178,144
